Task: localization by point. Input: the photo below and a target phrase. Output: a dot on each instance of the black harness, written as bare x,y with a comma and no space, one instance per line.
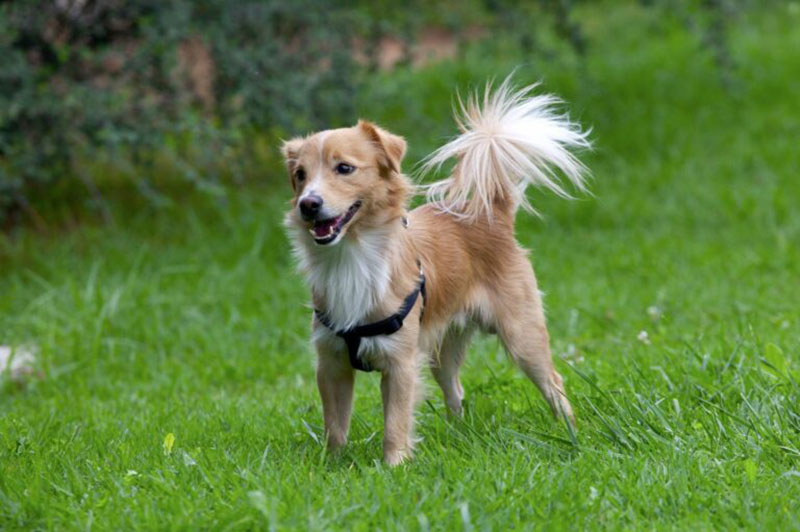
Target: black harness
352,337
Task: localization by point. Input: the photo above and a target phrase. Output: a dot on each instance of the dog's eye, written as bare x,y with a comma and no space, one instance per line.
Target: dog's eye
300,175
344,168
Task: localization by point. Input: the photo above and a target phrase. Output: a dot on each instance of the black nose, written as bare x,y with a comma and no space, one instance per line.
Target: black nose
310,206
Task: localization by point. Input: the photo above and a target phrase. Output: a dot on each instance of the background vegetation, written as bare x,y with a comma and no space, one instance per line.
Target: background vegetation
174,383
95,93
103,95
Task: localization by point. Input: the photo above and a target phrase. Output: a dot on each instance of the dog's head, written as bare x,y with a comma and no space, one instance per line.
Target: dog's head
344,179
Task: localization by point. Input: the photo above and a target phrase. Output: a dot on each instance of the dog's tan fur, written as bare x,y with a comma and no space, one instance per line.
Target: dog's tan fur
477,277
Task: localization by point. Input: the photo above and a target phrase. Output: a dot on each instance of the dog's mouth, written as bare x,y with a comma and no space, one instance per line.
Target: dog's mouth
326,231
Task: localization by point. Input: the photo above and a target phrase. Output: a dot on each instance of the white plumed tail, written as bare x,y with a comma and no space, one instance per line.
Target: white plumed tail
509,141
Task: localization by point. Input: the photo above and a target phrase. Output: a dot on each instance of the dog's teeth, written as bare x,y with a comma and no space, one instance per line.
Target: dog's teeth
326,229
317,234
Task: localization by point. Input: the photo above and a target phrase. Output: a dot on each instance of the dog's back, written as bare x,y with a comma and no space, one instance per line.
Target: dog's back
509,140
480,277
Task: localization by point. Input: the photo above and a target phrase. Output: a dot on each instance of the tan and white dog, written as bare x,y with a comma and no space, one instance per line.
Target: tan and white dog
361,251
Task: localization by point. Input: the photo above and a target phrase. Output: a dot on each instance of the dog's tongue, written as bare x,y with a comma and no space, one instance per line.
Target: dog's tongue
325,228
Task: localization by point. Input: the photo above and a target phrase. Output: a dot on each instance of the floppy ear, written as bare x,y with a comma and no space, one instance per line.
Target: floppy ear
392,147
291,151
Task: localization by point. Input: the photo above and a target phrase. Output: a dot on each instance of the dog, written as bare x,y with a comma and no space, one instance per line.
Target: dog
394,290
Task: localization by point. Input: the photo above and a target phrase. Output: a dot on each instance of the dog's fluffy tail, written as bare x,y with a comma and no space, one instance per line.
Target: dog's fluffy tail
509,139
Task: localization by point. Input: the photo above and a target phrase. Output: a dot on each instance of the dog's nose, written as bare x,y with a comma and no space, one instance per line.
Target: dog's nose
310,206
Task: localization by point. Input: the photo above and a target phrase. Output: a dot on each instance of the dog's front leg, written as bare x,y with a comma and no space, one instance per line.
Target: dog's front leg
399,390
335,379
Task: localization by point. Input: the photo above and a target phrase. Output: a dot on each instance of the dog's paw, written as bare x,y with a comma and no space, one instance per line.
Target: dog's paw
395,458
455,409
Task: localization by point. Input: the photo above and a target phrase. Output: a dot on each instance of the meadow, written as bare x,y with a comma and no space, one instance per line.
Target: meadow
175,381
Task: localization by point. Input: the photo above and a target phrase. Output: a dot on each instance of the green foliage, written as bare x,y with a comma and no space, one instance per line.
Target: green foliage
131,78
95,93
184,83
100,93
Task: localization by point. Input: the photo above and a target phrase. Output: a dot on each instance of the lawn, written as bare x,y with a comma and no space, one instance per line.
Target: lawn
176,382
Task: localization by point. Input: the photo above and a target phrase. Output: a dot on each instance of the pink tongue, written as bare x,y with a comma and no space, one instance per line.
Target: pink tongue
325,227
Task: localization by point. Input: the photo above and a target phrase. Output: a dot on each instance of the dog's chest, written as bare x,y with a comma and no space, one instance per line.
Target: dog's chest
351,279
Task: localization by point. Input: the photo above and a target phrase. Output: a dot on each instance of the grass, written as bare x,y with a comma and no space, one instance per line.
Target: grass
189,321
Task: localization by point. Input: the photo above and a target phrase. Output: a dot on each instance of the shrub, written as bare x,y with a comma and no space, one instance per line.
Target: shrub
99,92
129,78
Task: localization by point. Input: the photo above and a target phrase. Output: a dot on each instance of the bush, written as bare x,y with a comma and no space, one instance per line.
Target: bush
100,92
131,78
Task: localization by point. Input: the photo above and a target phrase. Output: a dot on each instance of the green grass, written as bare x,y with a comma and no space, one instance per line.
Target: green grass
189,320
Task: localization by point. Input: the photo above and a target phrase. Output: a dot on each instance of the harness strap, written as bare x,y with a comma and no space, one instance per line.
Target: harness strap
352,337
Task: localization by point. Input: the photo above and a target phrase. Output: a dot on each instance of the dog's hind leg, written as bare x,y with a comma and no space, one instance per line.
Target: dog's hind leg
522,329
445,367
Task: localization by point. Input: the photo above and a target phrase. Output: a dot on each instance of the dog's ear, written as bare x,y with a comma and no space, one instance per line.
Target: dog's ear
291,151
392,148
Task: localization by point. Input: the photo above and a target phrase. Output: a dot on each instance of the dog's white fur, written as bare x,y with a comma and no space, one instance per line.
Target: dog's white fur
352,276
511,141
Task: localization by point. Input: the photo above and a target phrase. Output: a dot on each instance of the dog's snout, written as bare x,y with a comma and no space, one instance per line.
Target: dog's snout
310,206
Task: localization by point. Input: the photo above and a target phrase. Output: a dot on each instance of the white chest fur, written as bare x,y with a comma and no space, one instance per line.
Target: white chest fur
351,277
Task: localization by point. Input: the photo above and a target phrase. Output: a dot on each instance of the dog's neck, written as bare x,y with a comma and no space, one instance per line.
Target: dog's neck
350,279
